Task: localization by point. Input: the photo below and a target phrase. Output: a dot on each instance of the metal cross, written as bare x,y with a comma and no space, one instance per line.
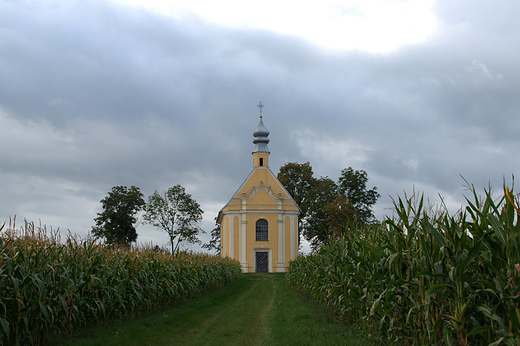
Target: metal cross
260,105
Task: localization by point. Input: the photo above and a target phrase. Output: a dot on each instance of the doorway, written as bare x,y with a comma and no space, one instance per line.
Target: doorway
262,261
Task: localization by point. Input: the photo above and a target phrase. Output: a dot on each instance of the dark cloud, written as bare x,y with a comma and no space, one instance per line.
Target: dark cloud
94,96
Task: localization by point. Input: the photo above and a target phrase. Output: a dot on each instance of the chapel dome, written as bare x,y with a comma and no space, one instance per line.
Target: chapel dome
261,131
261,140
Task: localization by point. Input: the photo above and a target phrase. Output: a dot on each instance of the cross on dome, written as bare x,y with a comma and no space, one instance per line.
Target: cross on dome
260,105
261,134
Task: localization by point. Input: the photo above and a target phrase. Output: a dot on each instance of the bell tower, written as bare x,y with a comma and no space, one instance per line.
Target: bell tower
261,152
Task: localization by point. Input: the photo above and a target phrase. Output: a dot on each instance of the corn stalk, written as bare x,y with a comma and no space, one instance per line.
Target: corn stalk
48,287
426,278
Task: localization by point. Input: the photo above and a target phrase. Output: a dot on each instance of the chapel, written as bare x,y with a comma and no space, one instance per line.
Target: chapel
259,225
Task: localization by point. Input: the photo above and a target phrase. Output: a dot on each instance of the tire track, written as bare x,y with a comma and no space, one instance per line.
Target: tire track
194,335
264,316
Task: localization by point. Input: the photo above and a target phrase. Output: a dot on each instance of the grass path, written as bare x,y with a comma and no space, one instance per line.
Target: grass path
259,309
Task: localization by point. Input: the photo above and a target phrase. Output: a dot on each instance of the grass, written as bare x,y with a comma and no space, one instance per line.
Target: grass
297,319
258,309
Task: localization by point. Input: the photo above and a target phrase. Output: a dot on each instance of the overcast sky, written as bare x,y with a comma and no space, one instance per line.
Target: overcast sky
95,94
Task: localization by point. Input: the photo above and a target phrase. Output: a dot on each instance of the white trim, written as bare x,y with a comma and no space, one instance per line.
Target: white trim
296,236
245,181
293,238
266,190
232,237
280,265
223,236
261,211
242,242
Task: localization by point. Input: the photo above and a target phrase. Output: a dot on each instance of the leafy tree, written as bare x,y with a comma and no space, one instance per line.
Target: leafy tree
353,184
298,179
316,228
177,213
116,222
328,207
214,243
339,214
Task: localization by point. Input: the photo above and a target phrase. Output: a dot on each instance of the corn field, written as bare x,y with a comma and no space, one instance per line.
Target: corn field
48,287
426,278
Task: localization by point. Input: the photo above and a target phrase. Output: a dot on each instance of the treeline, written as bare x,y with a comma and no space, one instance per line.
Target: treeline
425,278
50,287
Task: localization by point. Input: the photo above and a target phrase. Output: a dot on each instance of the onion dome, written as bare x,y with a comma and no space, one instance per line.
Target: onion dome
261,140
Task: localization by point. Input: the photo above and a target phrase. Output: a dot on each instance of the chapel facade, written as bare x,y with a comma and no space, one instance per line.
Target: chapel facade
259,225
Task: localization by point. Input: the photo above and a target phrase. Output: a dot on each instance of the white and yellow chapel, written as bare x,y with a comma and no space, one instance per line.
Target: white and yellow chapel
259,225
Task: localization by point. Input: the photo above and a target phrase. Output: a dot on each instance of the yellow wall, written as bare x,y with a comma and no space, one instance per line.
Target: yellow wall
258,156
261,196
270,244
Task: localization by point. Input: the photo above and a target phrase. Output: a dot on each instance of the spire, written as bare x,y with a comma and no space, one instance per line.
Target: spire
261,134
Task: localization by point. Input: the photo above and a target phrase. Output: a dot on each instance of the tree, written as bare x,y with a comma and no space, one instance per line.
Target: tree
116,222
328,207
353,184
339,214
177,213
298,179
214,243
316,228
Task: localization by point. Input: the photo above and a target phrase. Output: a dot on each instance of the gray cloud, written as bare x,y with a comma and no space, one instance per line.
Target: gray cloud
94,96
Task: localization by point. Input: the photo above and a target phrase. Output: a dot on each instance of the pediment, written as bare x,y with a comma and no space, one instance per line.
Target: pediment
261,187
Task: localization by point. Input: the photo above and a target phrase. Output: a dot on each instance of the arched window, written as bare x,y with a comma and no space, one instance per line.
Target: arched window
262,230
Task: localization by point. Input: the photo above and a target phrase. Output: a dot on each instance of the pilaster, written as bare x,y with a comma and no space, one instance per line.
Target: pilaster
280,265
